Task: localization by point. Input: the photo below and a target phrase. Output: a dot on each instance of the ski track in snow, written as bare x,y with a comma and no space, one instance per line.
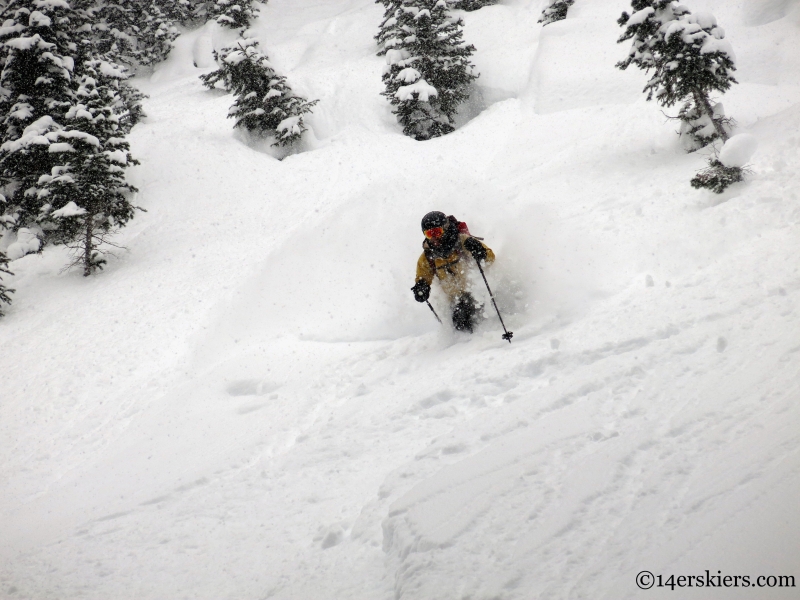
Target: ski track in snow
249,404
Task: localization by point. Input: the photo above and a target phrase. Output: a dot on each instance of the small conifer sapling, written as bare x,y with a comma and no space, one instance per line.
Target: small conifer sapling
717,177
5,292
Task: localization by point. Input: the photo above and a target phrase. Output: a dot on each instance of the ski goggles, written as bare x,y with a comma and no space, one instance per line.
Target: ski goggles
434,233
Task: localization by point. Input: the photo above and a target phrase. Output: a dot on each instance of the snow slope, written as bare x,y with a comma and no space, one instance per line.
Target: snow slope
248,403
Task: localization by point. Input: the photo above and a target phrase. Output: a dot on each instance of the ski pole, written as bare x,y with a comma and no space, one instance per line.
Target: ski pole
434,312
508,334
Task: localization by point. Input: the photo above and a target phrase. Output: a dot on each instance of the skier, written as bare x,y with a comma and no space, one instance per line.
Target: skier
446,250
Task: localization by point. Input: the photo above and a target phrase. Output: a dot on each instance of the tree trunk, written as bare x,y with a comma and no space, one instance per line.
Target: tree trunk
702,100
88,246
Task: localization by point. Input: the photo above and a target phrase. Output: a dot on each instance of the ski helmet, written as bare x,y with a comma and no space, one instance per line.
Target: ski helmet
434,219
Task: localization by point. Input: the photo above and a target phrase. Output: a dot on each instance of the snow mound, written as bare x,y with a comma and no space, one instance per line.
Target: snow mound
738,150
26,243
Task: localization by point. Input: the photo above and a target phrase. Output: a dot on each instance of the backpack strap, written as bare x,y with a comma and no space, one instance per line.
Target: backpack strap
429,257
431,262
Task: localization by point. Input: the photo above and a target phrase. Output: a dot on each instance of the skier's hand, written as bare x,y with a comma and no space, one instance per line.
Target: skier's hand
422,291
475,248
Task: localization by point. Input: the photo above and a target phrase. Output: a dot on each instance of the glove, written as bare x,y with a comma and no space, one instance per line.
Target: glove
422,291
475,248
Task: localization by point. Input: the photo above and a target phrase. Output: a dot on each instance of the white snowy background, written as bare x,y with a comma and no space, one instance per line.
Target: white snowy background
248,403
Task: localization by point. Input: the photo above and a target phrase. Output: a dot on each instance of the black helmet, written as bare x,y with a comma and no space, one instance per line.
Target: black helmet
434,219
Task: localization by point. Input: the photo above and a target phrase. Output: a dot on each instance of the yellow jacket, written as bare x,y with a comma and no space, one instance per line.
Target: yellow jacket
451,270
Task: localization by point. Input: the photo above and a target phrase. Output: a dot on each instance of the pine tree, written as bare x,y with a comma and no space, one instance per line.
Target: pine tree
690,60
63,118
5,292
555,11
133,32
429,72
39,58
86,193
388,32
265,104
697,61
178,11
642,28
470,5
234,14
192,12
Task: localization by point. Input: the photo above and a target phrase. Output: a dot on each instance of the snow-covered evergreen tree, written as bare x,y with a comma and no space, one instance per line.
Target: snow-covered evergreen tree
470,5
178,11
265,104
235,14
133,32
642,28
556,10
86,195
428,71
697,61
388,32
190,13
47,68
39,58
690,60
